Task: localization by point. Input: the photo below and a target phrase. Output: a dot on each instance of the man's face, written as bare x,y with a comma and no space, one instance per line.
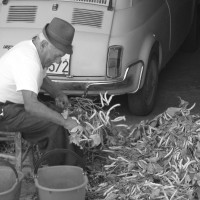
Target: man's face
51,55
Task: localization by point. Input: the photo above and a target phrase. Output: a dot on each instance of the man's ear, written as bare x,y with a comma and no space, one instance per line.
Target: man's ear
43,44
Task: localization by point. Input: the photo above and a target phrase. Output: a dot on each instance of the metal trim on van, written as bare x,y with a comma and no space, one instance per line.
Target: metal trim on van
130,83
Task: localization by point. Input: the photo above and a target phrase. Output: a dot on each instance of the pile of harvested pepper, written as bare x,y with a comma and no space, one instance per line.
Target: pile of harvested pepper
156,159
96,123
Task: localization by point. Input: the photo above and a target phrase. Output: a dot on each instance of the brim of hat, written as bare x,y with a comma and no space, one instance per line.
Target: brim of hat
65,49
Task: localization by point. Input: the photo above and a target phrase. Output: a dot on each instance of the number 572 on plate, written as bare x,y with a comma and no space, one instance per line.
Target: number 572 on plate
61,68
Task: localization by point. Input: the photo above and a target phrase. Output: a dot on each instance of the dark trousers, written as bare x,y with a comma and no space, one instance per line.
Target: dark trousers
35,130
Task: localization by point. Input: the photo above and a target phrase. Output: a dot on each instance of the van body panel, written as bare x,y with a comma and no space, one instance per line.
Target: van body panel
90,39
144,26
132,25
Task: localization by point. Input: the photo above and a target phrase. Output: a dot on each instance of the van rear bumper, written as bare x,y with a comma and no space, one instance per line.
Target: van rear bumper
130,83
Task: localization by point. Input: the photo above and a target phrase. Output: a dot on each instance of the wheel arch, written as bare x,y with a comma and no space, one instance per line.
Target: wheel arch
149,43
142,102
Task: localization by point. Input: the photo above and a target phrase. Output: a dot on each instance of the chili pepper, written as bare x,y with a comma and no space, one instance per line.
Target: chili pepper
148,183
101,99
108,100
103,117
108,151
181,198
182,129
161,140
95,112
111,192
180,163
166,143
97,128
165,194
168,181
90,125
168,115
160,121
161,174
122,125
108,190
183,177
175,167
111,165
123,174
188,163
168,187
123,159
198,122
176,178
117,119
191,107
111,158
133,189
173,195
142,175
169,153
130,177
165,116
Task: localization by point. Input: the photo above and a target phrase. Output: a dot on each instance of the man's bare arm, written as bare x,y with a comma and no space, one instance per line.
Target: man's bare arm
51,88
36,108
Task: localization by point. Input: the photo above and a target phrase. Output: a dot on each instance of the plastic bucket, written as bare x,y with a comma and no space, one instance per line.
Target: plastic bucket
10,181
60,182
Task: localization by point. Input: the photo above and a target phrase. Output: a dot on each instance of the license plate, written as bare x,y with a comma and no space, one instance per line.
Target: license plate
59,69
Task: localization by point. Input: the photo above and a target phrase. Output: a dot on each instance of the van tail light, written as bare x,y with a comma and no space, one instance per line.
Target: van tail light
114,61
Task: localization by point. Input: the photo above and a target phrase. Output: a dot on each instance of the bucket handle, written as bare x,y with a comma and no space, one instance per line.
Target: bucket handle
56,151
8,164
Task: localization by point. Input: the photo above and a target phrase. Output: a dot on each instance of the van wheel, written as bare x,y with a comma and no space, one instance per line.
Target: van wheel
143,101
191,43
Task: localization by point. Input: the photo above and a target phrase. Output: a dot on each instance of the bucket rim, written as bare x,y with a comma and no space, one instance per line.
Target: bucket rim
61,166
61,190
58,166
21,176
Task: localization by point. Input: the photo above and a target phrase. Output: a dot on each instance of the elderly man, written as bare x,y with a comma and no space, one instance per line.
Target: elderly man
23,73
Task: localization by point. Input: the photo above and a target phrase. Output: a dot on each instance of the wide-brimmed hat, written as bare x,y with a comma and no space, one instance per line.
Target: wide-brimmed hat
60,33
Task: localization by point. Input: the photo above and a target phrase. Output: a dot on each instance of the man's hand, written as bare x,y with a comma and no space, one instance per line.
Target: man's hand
70,123
62,101
76,129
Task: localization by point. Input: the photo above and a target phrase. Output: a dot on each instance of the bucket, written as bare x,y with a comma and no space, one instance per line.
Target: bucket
10,181
60,182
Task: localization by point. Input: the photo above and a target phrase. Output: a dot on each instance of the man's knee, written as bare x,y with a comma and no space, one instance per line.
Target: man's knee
50,137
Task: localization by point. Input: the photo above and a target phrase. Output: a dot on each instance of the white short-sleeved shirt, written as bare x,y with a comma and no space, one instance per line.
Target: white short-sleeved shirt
20,69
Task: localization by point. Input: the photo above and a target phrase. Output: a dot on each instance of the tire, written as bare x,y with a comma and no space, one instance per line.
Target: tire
142,102
191,42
